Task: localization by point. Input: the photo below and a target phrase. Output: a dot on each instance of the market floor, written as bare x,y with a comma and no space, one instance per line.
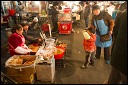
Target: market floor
72,73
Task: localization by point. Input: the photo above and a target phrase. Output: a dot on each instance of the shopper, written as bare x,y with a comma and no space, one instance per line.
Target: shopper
116,10
122,8
103,22
17,42
118,73
111,8
19,12
89,47
87,13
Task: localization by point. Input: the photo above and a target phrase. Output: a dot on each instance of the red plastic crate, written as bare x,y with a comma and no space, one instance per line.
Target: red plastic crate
65,27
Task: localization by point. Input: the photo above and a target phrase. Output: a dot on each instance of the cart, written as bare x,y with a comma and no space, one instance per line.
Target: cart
64,23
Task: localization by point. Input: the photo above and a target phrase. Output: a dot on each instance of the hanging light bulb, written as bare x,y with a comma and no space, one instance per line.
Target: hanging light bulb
37,2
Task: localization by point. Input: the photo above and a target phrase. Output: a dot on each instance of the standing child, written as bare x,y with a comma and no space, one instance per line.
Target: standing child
89,47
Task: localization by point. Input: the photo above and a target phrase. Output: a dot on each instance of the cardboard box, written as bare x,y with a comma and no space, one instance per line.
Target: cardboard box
24,79
20,69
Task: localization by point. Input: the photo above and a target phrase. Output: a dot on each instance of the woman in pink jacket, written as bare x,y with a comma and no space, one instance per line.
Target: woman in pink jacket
89,47
17,42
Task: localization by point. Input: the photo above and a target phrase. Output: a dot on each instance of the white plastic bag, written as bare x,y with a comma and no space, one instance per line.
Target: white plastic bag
22,50
86,35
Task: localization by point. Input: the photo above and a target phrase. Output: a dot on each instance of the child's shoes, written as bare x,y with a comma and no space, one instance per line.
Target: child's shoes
93,64
83,67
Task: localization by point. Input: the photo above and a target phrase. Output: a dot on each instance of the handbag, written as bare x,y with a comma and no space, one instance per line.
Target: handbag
103,38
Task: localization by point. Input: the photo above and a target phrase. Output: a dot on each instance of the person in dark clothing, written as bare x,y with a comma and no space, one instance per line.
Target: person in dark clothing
115,11
122,8
19,12
30,39
118,73
54,13
87,13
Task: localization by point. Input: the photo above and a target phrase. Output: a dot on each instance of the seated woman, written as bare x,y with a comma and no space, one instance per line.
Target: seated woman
29,39
17,42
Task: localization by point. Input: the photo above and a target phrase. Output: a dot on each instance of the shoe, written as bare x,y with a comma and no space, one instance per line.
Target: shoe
93,64
83,67
107,62
95,57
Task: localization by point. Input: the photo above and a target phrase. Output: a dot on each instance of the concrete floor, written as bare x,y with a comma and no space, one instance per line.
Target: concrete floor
72,73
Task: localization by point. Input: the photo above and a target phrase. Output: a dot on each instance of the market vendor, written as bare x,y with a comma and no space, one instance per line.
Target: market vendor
17,42
30,39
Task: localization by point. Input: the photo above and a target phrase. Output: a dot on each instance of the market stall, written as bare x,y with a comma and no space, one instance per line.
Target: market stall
26,69
65,22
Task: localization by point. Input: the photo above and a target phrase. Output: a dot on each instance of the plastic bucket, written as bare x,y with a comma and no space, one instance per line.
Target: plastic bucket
60,54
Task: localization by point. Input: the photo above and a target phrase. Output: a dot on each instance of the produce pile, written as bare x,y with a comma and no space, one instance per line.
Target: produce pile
18,60
34,47
61,44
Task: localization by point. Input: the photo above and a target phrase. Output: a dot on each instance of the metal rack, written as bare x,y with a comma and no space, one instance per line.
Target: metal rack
6,80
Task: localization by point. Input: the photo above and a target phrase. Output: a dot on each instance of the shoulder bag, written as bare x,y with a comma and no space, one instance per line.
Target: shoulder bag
103,38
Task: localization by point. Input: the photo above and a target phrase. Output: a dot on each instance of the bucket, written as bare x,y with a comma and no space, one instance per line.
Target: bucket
60,53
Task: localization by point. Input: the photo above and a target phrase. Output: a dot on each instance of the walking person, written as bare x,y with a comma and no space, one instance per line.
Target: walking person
87,13
89,47
103,23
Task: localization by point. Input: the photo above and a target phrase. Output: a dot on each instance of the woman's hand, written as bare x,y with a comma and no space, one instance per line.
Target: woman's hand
39,40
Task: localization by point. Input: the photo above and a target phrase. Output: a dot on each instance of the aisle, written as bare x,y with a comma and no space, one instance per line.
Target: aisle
72,73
